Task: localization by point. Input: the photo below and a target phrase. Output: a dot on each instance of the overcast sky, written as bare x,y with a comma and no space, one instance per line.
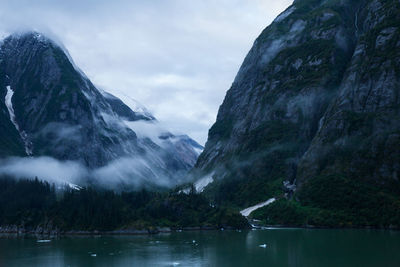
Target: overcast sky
176,57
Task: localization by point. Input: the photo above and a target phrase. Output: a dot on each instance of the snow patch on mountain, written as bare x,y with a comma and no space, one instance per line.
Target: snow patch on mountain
9,105
24,137
201,184
136,106
249,210
133,104
74,186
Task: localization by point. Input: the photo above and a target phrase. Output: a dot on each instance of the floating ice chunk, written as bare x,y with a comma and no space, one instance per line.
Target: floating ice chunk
43,241
263,246
93,255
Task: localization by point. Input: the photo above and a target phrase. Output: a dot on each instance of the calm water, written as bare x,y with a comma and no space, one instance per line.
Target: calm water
285,247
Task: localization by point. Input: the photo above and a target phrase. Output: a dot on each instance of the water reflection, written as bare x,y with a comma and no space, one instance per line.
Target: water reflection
283,247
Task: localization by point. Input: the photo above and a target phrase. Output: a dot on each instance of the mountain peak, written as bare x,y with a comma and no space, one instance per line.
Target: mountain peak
52,109
31,37
315,96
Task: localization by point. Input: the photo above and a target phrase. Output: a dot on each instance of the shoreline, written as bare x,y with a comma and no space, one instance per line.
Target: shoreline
14,231
313,227
20,233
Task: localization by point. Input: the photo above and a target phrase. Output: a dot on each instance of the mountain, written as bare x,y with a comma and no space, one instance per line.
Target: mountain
314,112
48,107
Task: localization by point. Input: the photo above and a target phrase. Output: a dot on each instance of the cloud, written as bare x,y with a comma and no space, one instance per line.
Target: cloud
46,168
129,172
147,129
177,57
154,164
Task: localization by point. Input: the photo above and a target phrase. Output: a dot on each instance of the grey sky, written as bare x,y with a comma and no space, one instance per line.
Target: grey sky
176,57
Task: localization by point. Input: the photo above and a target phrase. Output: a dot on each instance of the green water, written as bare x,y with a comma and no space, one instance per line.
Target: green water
285,247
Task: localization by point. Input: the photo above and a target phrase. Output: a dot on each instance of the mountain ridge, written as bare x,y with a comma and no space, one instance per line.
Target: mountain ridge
314,101
61,114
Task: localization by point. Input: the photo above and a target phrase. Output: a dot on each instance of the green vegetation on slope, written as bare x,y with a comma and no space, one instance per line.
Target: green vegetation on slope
333,201
30,204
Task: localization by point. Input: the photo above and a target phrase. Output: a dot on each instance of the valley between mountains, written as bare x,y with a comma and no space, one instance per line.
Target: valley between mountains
308,135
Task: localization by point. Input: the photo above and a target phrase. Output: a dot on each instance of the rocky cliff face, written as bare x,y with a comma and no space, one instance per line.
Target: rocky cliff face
48,107
316,95
359,132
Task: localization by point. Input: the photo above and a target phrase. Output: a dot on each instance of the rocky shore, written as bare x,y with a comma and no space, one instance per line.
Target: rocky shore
15,231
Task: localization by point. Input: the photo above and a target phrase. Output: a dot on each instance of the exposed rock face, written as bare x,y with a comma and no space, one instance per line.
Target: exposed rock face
359,132
63,115
316,94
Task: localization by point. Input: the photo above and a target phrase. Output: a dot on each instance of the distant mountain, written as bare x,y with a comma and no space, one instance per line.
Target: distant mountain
48,107
314,111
